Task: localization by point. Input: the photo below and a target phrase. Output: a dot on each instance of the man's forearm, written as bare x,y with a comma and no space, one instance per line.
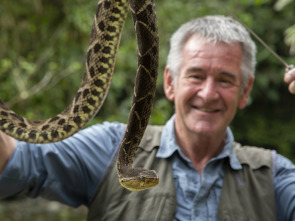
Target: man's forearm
7,146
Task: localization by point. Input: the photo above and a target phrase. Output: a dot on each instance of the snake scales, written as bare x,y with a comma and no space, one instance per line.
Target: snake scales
105,37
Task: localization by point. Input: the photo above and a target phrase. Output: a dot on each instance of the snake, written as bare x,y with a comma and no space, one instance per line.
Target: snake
100,61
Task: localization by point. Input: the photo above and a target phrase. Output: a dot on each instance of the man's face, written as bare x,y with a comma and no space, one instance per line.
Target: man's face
209,87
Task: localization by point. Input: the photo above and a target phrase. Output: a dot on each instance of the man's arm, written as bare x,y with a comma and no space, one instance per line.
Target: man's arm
7,146
284,177
68,171
284,184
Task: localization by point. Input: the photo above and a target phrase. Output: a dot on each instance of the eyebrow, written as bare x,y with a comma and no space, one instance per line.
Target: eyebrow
225,73
194,69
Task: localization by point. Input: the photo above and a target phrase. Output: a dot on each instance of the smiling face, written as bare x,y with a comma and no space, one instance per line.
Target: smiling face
209,88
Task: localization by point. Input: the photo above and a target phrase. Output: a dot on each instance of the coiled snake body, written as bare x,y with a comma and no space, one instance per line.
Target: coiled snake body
105,37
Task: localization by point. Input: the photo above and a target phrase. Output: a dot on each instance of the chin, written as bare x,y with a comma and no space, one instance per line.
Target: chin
205,130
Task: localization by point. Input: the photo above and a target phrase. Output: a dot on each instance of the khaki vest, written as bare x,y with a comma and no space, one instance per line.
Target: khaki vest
247,194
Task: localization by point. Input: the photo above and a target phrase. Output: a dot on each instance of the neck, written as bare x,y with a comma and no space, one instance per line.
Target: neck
200,148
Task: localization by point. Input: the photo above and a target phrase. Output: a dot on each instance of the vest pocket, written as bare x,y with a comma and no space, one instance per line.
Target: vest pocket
151,208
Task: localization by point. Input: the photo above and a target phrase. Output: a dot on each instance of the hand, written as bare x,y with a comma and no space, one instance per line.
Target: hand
7,146
289,78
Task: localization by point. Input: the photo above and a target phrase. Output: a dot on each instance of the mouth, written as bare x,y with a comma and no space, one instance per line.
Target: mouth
207,110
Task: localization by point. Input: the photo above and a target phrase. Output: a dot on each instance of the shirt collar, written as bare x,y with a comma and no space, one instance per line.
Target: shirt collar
169,146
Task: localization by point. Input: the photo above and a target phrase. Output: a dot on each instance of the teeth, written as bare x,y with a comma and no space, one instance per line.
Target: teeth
207,110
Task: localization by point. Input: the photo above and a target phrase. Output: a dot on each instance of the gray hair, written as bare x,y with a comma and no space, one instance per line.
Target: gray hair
214,29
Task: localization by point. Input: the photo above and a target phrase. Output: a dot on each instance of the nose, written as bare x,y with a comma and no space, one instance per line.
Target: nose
208,90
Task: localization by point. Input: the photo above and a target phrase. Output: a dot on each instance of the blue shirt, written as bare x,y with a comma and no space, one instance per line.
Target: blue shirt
70,171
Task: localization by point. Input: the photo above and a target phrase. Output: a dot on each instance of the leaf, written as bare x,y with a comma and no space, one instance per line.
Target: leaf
290,39
280,4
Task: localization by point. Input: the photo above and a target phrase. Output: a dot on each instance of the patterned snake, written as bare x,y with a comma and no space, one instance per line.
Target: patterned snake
101,55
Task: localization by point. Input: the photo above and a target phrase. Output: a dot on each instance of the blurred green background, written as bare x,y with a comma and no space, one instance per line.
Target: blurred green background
43,46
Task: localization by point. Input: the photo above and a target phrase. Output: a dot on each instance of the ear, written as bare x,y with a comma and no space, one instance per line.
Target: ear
244,97
168,84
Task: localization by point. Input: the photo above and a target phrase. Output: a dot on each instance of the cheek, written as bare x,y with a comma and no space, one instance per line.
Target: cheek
183,96
231,99
188,89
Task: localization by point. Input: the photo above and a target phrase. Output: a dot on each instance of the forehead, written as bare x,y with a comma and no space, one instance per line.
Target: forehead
198,51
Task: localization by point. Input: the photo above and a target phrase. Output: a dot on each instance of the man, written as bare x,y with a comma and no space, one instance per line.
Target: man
204,175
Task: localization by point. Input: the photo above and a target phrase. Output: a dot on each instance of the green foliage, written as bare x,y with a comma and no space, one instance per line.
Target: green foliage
43,47
280,4
290,38
27,209
290,32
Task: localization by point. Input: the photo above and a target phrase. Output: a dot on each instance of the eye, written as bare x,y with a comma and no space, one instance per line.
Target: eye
197,76
225,82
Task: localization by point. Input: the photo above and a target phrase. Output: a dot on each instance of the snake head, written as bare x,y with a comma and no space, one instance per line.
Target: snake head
139,179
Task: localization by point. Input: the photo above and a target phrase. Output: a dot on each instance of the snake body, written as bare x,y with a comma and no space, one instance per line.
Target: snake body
101,55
